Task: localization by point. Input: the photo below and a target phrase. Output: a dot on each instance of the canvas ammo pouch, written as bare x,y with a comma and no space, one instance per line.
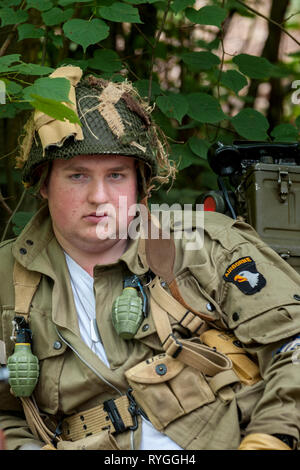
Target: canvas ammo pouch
167,389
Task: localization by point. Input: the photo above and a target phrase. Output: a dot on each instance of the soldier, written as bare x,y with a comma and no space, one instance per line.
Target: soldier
141,342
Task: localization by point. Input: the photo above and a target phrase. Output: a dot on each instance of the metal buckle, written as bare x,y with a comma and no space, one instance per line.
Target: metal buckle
114,415
179,349
134,410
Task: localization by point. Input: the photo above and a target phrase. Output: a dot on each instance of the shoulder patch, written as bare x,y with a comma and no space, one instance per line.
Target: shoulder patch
244,274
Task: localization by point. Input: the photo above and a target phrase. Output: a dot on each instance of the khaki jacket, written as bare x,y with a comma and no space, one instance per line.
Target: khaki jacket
72,378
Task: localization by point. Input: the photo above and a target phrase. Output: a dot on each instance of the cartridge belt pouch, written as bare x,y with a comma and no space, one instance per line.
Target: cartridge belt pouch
167,389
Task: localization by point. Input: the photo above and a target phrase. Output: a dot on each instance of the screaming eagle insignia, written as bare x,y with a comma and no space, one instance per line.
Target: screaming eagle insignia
243,273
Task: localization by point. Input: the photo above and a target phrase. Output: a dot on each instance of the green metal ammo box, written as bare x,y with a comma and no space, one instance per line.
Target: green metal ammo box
272,193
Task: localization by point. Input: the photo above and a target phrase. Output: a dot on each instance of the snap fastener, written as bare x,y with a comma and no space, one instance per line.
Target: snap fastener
210,307
23,251
235,316
145,327
29,242
297,297
161,369
57,345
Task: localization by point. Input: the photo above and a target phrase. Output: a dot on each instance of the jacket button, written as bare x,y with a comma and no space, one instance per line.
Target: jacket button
297,297
235,316
145,327
161,369
29,242
57,345
23,251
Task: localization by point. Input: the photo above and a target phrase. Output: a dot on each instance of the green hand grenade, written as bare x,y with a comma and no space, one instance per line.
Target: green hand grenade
129,309
23,366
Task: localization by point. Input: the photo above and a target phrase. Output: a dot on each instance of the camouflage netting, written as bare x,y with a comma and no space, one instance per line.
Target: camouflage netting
114,121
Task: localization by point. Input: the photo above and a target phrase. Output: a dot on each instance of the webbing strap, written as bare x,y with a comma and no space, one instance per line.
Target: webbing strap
25,284
95,420
185,317
190,352
35,422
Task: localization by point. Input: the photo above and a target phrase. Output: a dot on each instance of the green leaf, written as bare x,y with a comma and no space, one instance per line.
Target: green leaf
179,5
9,59
12,88
52,88
41,5
210,15
199,146
19,220
233,80
173,105
10,16
285,133
85,32
56,16
83,64
27,31
251,124
31,69
54,109
120,12
197,61
65,3
106,60
297,122
253,66
143,88
183,156
204,108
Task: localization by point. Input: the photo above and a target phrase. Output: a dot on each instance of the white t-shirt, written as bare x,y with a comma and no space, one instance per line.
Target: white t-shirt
83,290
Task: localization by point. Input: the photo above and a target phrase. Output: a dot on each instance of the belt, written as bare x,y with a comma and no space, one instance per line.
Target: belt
116,415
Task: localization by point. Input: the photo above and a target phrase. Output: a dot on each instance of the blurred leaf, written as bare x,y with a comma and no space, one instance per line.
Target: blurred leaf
143,87
173,105
120,12
285,133
179,5
56,16
183,156
253,66
210,15
41,5
54,109
19,220
85,32
28,31
251,124
199,146
204,108
10,16
106,60
197,61
31,69
233,80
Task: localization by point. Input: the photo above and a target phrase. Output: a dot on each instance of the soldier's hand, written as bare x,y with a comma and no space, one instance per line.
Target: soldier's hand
260,441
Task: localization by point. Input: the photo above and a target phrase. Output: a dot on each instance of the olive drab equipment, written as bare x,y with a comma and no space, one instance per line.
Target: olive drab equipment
210,351
263,187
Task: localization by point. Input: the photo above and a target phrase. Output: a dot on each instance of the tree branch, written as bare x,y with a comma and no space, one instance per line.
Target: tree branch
154,46
3,203
269,20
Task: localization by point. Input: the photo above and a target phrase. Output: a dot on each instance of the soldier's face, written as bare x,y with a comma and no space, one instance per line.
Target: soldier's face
89,197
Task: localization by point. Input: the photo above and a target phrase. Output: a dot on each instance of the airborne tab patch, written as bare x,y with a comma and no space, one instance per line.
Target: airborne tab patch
243,273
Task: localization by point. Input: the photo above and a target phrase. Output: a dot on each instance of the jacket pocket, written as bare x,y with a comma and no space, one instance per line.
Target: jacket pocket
166,389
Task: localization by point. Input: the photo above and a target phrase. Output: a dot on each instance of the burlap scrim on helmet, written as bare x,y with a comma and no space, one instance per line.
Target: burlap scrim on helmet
115,121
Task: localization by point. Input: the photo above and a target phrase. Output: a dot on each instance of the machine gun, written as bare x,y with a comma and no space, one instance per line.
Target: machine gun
260,183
